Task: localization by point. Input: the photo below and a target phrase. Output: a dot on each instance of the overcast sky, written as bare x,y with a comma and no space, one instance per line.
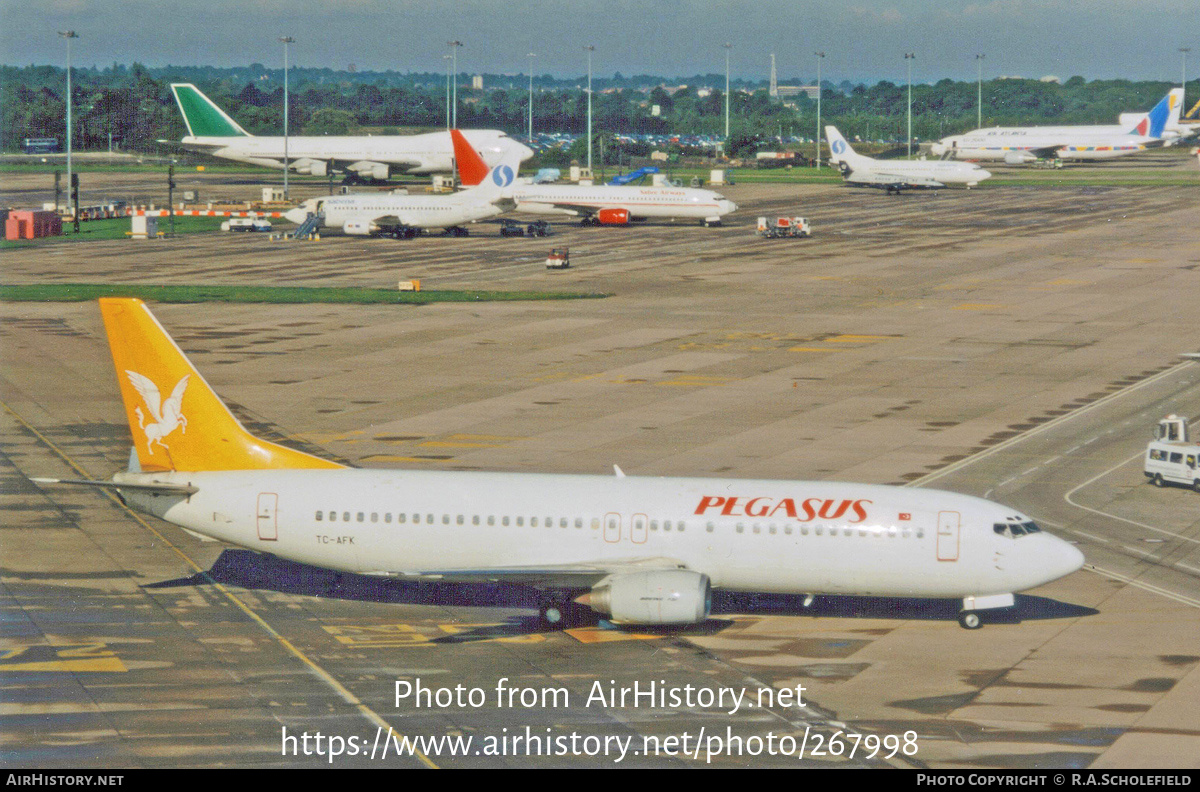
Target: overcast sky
864,40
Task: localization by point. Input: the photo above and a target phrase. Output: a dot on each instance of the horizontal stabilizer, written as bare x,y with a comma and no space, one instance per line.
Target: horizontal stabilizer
163,487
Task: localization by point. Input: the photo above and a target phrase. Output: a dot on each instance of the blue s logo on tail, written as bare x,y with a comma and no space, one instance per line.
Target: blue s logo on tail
838,147
503,175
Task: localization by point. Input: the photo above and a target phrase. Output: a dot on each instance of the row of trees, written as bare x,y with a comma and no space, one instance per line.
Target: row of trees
134,105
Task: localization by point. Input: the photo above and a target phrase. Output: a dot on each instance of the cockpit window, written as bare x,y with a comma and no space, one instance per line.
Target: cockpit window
1015,530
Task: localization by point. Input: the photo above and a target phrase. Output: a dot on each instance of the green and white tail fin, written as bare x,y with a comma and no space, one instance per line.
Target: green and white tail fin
202,116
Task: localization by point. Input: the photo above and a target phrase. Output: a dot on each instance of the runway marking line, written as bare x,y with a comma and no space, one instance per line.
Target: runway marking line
1062,419
68,658
292,649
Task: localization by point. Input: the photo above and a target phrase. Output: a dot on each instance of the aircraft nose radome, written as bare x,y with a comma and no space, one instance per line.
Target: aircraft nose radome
728,206
1064,558
297,215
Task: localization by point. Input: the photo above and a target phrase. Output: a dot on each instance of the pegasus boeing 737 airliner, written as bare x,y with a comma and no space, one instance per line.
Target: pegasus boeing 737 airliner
639,550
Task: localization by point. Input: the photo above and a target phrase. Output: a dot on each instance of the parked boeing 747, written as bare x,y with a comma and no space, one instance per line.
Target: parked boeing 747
639,550
367,157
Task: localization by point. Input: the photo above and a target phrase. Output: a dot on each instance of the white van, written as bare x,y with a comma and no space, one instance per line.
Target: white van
246,224
1170,458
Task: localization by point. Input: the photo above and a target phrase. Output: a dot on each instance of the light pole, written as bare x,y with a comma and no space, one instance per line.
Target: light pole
820,57
286,40
447,59
1183,51
531,56
589,49
68,35
979,98
728,47
908,58
454,45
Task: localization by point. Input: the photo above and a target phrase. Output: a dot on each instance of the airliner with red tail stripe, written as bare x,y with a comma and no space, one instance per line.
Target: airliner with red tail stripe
602,204
635,549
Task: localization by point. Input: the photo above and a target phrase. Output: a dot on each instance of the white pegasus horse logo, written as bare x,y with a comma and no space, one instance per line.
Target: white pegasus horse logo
168,416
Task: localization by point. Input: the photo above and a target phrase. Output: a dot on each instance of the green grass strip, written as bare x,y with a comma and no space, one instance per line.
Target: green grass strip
352,295
116,228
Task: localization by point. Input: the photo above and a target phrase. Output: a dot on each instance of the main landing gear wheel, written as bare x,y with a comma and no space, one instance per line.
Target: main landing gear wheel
970,620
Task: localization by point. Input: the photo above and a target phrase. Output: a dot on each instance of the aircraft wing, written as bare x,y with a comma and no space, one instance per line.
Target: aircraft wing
909,180
192,145
566,207
583,575
394,221
883,177
1046,151
340,165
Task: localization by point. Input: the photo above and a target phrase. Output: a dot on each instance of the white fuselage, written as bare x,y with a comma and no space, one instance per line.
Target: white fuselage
428,153
640,202
365,213
1080,143
931,173
749,535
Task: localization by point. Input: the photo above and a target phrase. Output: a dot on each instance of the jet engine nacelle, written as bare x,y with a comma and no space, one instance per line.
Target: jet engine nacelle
613,216
311,167
1018,157
358,228
666,596
371,170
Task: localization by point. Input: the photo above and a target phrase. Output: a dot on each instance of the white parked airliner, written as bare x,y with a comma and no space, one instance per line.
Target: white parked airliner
212,131
641,550
601,204
404,216
897,175
1017,145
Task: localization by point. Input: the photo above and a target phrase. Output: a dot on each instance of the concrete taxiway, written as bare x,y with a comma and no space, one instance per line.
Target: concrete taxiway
1012,342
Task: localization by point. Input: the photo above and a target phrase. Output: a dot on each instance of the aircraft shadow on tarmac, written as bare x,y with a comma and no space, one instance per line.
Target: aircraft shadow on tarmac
250,570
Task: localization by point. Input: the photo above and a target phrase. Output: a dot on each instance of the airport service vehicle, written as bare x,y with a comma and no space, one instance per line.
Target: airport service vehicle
246,224
637,549
783,227
558,258
1018,145
1170,457
538,228
404,216
897,175
601,204
361,157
